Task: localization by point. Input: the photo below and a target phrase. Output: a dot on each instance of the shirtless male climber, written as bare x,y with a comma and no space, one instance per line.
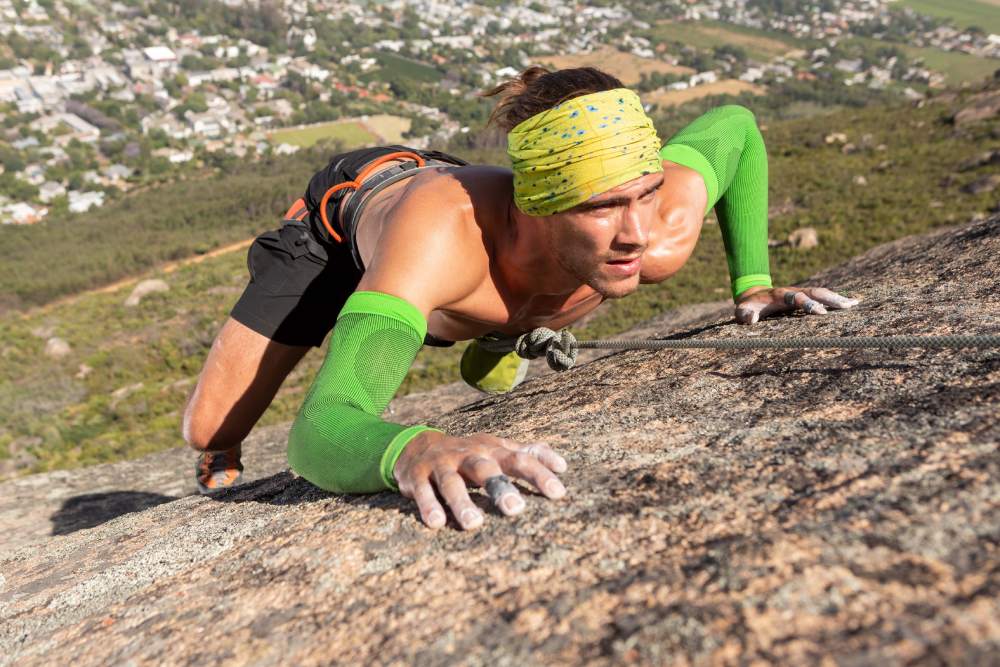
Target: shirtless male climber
449,251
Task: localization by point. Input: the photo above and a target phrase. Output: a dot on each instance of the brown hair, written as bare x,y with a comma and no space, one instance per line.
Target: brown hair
536,89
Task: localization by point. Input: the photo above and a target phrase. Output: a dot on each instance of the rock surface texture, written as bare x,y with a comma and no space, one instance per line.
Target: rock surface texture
779,506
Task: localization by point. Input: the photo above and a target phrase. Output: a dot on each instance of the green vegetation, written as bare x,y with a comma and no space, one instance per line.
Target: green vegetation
351,134
956,67
760,45
120,391
712,40
394,66
260,22
69,253
964,13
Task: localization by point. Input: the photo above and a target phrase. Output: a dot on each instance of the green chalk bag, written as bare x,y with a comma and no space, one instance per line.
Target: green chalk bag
492,372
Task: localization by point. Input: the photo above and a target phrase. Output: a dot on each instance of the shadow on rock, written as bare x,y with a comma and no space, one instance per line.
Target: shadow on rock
93,509
284,488
281,488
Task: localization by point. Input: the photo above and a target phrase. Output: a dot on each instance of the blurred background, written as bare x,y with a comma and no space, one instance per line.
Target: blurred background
145,143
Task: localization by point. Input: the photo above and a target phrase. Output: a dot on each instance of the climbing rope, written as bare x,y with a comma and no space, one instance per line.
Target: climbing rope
560,348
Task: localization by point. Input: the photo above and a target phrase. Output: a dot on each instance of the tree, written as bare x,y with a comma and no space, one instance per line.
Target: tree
17,189
11,158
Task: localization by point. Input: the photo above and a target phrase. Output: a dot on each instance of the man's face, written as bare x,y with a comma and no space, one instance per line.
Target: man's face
614,225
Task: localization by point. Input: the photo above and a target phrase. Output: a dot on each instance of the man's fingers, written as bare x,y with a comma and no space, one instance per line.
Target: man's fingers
749,312
831,298
451,485
800,299
759,306
504,494
524,465
486,472
812,300
539,450
430,509
547,456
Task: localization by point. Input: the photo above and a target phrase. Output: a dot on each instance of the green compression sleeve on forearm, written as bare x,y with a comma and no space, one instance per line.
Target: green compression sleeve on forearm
725,146
338,442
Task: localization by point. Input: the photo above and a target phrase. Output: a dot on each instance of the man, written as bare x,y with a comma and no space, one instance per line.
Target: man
592,209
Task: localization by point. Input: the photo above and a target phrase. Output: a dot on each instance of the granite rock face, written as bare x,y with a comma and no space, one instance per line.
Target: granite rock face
723,508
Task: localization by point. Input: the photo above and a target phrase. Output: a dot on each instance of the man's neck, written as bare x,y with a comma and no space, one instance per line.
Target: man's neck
527,266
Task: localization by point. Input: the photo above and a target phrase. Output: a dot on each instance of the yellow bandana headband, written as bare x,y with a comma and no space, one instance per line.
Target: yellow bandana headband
582,147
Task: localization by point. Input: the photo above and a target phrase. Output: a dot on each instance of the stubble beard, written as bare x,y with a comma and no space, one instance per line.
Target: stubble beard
590,274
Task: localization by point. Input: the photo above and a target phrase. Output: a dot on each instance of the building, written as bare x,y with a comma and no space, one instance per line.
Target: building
49,190
22,214
80,202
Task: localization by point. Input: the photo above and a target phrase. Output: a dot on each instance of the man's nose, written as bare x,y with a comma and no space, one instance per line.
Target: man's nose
634,229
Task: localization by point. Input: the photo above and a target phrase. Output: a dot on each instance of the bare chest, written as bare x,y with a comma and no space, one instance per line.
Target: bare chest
491,307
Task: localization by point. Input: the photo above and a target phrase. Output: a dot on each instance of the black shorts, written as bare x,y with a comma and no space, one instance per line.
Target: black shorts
300,278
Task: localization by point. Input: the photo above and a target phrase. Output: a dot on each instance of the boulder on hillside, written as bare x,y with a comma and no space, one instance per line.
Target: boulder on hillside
145,288
803,238
979,107
981,160
57,348
724,507
981,185
43,331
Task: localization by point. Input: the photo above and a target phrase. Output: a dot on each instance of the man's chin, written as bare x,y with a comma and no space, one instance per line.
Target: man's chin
616,289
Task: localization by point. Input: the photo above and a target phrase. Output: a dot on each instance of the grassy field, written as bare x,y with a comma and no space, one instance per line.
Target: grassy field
671,98
388,127
761,45
626,66
965,13
351,132
120,390
417,71
956,67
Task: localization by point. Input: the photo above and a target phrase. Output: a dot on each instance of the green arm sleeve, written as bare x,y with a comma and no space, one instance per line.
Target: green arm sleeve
725,146
338,441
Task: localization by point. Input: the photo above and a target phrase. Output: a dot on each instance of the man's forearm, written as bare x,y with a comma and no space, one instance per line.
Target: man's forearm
338,441
725,146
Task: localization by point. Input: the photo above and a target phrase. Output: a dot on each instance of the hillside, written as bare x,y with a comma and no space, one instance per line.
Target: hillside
767,506
118,389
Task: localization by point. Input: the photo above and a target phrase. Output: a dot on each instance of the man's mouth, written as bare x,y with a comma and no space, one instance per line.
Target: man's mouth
625,266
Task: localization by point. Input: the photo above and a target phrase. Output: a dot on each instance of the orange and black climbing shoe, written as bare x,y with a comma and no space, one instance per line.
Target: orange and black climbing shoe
216,471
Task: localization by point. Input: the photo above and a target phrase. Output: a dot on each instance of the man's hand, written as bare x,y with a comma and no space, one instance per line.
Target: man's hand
758,302
434,459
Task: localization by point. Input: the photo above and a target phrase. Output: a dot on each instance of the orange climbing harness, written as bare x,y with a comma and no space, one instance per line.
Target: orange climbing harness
298,209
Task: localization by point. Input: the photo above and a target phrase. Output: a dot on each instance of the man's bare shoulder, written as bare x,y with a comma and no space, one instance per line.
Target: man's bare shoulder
683,187
431,250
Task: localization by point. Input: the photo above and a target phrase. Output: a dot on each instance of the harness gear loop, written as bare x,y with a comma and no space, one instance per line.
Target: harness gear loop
356,183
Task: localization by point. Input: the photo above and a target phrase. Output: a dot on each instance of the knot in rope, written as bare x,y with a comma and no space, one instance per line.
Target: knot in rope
558,347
